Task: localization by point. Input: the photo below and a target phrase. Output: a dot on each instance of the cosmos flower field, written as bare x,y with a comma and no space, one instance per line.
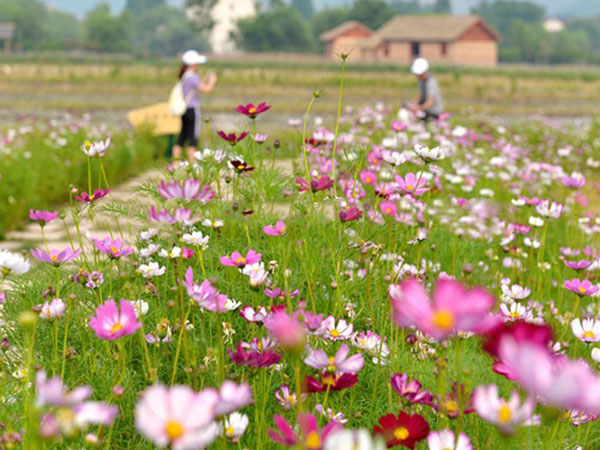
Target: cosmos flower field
393,284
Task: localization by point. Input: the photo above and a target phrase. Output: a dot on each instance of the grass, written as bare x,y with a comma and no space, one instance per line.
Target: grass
340,269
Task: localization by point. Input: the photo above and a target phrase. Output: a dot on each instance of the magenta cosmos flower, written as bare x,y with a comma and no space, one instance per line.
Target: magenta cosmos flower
240,261
310,437
277,230
113,248
190,189
110,323
178,416
42,217
410,390
252,111
256,356
56,257
350,214
181,215
286,330
582,264
453,309
232,138
205,294
84,197
409,183
581,288
316,184
340,363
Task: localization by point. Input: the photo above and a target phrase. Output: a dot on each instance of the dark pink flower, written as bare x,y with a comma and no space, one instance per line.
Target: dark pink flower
232,138
410,389
254,358
277,230
309,438
191,189
238,260
90,198
252,111
350,214
330,381
316,184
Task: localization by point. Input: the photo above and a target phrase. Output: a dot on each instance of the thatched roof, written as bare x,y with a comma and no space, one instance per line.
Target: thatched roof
427,28
342,29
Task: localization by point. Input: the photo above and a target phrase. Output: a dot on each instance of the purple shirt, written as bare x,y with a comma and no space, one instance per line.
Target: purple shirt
190,83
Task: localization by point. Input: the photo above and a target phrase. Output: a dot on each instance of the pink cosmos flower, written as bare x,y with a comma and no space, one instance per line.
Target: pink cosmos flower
575,181
507,415
368,177
56,257
280,294
277,230
310,437
286,398
84,197
350,214
254,358
453,308
408,184
547,209
252,315
252,111
233,396
191,189
42,217
178,416
316,184
205,295
52,309
555,380
410,389
238,260
581,288
334,332
388,208
181,215
288,332
582,264
113,248
339,363
110,323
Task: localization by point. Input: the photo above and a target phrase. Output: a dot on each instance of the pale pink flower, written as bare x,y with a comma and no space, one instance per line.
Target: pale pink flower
587,330
507,415
340,363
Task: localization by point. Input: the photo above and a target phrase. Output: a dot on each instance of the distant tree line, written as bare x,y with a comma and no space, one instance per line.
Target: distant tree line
296,25
144,28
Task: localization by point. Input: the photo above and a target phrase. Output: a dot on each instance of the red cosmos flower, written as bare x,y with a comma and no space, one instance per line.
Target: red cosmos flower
335,382
252,111
521,332
350,214
89,198
252,358
402,430
316,184
241,166
232,138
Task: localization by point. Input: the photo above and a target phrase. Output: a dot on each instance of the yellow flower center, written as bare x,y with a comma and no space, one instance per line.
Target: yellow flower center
329,380
368,180
54,258
504,414
251,110
589,335
114,249
331,367
116,327
334,333
174,430
313,441
92,197
401,433
581,290
87,144
443,319
451,406
240,260
409,187
514,315
229,431
388,210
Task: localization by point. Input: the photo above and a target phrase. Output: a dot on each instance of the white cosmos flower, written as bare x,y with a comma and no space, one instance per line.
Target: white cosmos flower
212,223
444,440
152,269
12,263
515,311
148,234
587,330
235,425
536,221
52,309
140,307
196,238
174,253
596,355
354,440
429,154
516,291
547,209
505,414
149,251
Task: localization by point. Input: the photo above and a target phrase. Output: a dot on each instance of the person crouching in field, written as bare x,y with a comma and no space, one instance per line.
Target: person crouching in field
428,104
192,86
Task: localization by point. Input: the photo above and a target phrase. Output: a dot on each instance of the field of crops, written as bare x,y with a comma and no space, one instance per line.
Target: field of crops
368,282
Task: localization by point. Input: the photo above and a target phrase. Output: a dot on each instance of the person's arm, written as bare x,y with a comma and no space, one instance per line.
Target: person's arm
428,104
208,84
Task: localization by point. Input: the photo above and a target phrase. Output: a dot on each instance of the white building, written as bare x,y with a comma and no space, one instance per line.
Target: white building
225,15
554,25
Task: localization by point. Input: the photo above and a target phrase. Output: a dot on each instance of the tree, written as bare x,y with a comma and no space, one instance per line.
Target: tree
29,17
503,13
106,32
406,6
61,30
442,7
201,13
281,28
140,6
372,13
305,7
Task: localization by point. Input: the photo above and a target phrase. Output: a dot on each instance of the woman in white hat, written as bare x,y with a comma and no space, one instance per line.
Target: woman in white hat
428,104
192,86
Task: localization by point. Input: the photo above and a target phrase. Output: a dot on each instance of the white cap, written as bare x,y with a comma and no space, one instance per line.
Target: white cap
192,58
419,66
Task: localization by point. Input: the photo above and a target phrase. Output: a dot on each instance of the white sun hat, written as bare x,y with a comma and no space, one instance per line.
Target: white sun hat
419,66
192,58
